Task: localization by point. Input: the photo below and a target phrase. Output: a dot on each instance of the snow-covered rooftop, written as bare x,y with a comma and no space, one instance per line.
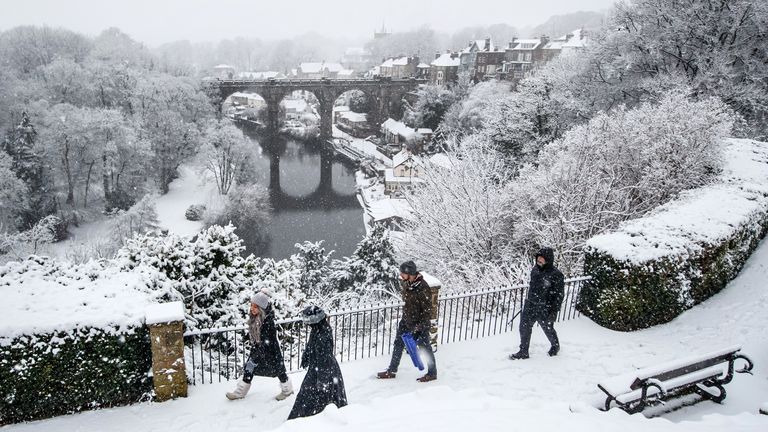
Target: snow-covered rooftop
423,66
353,116
403,156
402,61
398,128
447,60
313,67
389,208
526,44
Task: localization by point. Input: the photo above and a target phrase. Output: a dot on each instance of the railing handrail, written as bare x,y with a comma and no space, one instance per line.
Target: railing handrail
379,306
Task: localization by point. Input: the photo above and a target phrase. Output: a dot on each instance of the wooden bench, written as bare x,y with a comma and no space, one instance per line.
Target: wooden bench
635,391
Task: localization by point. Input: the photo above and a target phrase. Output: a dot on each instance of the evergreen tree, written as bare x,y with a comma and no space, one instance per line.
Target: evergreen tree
28,167
374,266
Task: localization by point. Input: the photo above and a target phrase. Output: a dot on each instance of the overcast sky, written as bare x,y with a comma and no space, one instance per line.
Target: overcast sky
158,21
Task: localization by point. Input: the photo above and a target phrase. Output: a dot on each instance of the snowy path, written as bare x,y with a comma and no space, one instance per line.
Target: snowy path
190,188
479,389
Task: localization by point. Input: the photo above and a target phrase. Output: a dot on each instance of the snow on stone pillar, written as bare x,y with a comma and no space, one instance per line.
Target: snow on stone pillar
434,287
166,333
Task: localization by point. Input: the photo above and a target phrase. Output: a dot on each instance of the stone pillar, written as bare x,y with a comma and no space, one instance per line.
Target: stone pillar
273,114
166,333
326,120
434,286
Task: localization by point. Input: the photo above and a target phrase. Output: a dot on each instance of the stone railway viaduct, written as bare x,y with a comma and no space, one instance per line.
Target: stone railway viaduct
385,94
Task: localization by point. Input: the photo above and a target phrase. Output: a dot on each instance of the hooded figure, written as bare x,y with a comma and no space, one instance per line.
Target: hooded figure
266,358
545,296
323,383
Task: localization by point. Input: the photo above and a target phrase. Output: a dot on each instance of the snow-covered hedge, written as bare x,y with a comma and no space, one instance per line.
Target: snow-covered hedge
651,269
71,338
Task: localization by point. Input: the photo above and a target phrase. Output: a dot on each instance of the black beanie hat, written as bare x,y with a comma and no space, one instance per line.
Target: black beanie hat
408,267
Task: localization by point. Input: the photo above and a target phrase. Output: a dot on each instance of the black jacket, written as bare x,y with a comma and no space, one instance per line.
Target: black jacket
267,355
417,311
547,288
323,383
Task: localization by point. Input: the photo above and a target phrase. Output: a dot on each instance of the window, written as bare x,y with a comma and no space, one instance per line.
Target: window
527,56
439,77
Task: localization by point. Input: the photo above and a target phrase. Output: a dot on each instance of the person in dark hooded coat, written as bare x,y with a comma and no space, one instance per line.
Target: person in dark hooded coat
323,383
266,358
545,296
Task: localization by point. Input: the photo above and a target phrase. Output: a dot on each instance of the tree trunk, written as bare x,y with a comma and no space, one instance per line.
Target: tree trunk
105,178
68,171
88,182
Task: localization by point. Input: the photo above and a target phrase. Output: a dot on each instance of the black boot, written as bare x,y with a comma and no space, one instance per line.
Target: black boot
520,355
554,350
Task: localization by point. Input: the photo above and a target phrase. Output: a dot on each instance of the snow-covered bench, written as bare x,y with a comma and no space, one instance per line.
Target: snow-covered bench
634,391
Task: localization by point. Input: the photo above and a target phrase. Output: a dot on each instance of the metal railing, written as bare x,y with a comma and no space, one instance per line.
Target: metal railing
218,354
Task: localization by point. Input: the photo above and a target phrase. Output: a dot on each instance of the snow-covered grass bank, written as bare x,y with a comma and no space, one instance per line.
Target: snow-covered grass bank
478,388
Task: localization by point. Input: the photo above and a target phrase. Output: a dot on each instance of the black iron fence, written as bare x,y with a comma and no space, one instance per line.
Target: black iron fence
218,354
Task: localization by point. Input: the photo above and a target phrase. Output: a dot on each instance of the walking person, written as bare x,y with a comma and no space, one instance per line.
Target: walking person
416,320
545,296
323,383
266,358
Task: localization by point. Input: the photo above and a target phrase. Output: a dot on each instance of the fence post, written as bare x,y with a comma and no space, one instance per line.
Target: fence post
166,332
434,287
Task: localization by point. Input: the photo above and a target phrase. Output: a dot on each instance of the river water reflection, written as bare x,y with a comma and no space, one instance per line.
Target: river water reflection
312,196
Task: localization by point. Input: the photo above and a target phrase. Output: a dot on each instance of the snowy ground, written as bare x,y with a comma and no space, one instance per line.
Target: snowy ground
478,388
191,187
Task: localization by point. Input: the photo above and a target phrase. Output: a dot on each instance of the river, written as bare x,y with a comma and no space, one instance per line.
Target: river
313,196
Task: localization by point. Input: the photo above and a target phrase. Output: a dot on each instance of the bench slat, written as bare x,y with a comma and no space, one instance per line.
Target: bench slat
675,383
633,380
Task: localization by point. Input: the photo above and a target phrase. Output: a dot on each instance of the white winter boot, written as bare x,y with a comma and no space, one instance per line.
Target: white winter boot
286,389
240,391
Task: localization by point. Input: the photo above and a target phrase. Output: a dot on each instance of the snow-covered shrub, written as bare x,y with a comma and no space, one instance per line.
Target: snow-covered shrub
651,269
72,338
195,212
207,273
31,242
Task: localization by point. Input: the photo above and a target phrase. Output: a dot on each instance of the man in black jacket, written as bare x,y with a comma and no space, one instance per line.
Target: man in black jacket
416,320
545,296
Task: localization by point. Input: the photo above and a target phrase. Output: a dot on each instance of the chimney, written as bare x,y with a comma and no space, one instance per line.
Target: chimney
487,44
437,55
470,44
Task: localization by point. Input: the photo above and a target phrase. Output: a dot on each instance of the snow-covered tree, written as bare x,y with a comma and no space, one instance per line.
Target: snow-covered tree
13,196
140,219
618,166
720,49
223,153
28,166
460,228
431,105
311,261
247,208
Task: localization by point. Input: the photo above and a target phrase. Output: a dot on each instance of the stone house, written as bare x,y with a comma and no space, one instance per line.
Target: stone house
481,59
444,69
522,56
